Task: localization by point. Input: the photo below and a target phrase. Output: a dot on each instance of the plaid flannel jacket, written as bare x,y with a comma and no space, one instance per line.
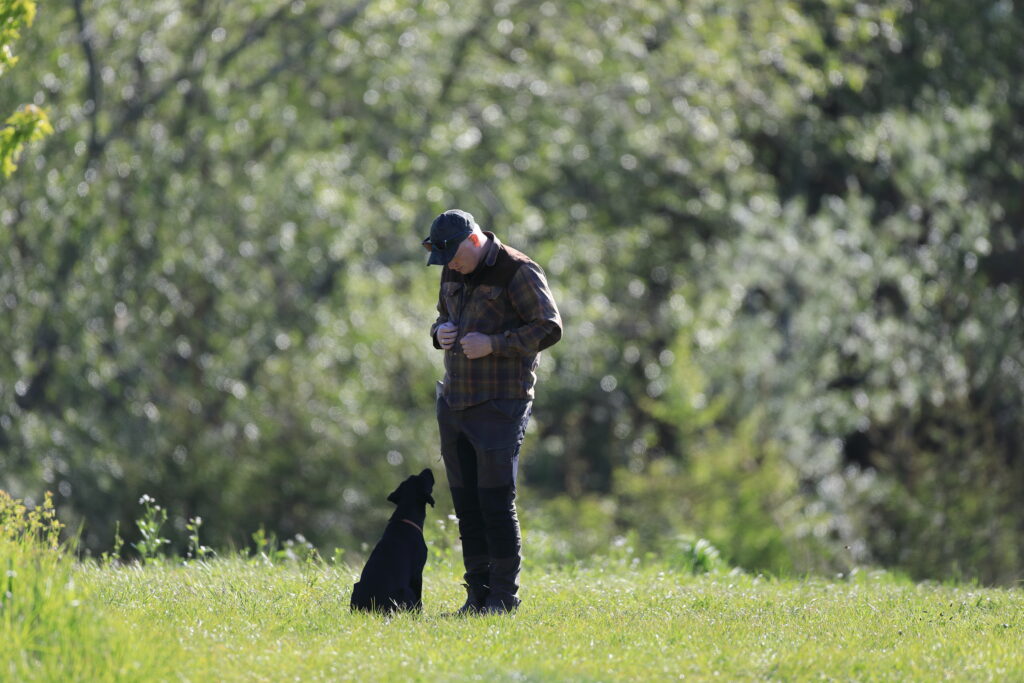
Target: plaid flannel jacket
506,297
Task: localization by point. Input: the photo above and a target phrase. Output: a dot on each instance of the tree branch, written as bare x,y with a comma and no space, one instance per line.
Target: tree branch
134,112
94,91
345,18
461,49
256,32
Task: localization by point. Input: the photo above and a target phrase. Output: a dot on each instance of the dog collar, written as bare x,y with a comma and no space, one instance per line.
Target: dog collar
412,523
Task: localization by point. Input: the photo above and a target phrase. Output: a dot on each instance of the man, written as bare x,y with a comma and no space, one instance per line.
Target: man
495,314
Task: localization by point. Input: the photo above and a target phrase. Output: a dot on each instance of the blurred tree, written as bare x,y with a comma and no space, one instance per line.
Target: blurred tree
785,238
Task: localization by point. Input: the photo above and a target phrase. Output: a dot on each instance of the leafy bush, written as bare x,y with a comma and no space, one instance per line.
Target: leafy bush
785,239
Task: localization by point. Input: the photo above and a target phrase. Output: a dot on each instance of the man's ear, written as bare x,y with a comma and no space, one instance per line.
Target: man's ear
474,237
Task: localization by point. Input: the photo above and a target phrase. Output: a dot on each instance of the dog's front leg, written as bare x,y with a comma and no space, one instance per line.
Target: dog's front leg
417,590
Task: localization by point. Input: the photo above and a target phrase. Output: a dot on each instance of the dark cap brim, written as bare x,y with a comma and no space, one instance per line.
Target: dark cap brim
439,258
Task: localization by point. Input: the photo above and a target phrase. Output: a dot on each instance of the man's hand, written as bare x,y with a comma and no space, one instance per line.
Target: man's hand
446,333
476,345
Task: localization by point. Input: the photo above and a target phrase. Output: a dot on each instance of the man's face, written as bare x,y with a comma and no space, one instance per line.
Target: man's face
465,259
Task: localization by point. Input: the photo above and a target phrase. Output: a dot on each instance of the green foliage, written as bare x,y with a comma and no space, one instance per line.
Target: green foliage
196,549
269,550
740,493
785,238
26,125
13,15
696,556
114,554
50,628
29,123
38,525
153,518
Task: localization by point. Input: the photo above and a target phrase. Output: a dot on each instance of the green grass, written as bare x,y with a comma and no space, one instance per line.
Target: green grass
235,620
614,619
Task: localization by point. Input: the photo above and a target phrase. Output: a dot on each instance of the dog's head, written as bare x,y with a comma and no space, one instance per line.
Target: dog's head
415,489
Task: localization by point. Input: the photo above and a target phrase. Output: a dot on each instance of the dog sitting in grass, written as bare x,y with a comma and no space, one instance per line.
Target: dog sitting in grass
393,576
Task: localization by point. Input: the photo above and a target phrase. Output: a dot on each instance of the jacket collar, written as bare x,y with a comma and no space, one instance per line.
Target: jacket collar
490,257
493,247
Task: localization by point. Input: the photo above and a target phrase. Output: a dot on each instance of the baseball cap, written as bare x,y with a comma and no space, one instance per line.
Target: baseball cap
446,234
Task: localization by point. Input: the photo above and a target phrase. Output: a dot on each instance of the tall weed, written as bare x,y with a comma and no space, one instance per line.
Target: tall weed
49,628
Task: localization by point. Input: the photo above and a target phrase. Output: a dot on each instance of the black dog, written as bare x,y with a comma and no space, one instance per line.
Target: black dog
393,576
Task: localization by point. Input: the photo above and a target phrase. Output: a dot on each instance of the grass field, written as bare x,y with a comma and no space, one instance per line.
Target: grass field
284,616
234,619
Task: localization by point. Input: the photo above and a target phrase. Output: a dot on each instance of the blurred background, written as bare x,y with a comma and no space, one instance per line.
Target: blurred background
787,240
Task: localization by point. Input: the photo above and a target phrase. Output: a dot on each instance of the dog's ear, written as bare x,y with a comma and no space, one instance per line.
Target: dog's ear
426,482
393,496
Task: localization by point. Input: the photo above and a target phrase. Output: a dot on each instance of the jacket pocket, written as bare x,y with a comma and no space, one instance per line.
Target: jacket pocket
492,306
452,293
